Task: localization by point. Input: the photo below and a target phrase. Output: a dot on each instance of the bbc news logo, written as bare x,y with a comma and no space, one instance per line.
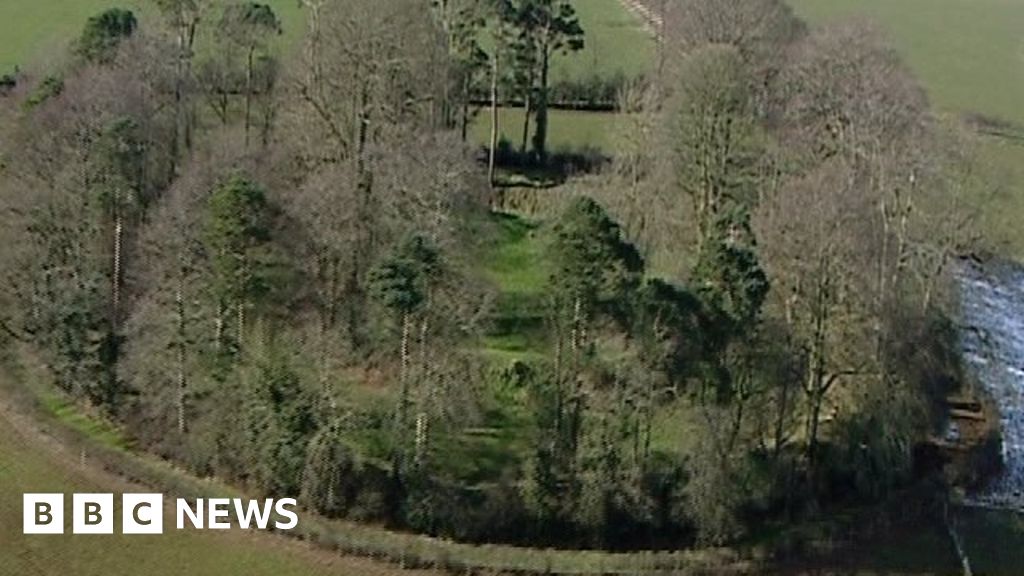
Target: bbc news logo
144,513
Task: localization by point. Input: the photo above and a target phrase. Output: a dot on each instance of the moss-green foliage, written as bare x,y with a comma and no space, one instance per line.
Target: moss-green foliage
403,280
237,233
278,424
50,87
728,274
104,32
595,268
69,414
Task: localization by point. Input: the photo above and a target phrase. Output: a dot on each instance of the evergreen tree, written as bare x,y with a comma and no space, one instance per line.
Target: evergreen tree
249,25
403,283
103,33
546,28
237,229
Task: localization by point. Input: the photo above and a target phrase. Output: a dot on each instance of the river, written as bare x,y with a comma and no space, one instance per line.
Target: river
992,340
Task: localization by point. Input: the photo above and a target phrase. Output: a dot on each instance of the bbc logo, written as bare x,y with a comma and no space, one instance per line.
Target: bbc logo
144,513
93,514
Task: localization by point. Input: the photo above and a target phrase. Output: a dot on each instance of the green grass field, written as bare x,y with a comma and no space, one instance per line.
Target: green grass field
33,33
968,53
26,466
614,43
569,129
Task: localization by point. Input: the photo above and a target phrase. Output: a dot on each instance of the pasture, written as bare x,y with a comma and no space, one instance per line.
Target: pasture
615,42
968,53
30,461
570,130
35,33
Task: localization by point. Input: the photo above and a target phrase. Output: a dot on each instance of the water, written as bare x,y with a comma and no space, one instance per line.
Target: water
992,339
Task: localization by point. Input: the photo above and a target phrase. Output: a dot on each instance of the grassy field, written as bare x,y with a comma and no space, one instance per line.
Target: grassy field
969,53
569,129
614,43
34,32
28,464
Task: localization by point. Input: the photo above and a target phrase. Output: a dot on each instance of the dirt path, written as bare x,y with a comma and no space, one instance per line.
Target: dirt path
650,20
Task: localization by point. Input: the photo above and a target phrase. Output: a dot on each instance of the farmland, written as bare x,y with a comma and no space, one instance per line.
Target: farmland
30,461
970,55
32,32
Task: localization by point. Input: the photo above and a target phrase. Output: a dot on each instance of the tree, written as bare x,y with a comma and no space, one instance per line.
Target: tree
595,269
118,178
716,134
166,337
728,275
219,77
237,228
331,477
249,25
500,12
546,28
183,18
103,33
279,422
596,273
759,30
461,22
403,283
342,132
837,235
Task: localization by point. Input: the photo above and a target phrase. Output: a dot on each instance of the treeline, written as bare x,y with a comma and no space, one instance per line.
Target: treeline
268,269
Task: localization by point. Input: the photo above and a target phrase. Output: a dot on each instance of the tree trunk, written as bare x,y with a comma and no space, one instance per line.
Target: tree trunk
577,321
465,106
403,376
178,101
191,35
115,296
179,304
248,94
780,420
218,327
540,137
421,436
426,400
491,157
527,110
240,313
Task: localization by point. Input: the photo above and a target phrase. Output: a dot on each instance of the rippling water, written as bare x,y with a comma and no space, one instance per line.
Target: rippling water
992,338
